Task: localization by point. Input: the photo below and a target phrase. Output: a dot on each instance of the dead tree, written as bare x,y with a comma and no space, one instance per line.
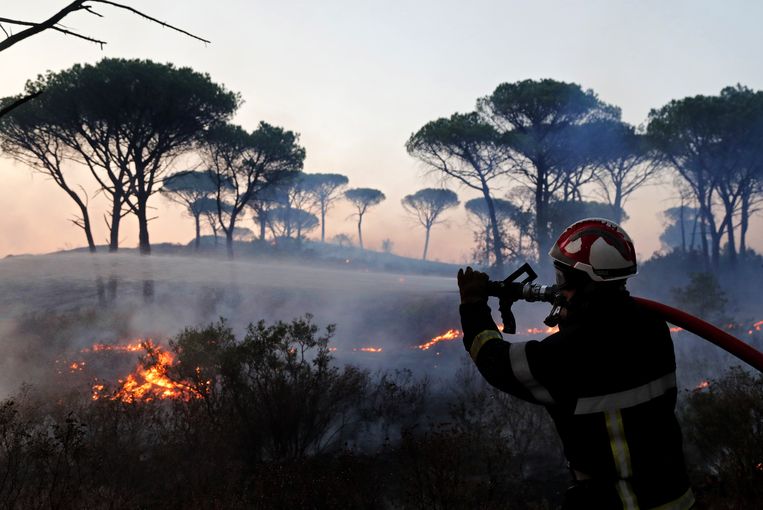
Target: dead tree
53,23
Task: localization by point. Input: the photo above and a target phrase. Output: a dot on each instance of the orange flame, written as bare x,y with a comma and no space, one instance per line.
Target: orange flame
149,381
132,347
757,326
77,366
369,349
702,385
541,331
451,334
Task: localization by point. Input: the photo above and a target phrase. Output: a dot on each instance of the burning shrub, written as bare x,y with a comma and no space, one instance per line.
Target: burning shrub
723,425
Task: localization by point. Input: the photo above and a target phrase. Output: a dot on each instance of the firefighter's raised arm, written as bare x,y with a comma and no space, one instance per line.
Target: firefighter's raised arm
500,363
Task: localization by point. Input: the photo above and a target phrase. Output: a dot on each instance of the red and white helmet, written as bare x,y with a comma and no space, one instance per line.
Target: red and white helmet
598,247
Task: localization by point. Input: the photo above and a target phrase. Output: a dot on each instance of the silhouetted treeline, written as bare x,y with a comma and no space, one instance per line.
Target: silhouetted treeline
540,154
555,151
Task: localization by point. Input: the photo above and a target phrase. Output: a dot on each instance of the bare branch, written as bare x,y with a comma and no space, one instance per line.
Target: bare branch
79,36
52,23
18,102
146,16
36,28
91,11
16,22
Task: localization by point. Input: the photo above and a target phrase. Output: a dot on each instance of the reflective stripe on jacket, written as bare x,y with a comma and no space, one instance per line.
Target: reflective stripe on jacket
607,378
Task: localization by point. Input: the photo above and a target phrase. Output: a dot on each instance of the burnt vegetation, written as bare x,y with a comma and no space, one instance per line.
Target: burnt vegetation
269,419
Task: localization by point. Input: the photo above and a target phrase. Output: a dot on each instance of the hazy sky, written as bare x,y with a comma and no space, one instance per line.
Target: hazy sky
356,78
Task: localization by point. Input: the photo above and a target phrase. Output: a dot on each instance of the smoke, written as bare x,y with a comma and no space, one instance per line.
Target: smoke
55,305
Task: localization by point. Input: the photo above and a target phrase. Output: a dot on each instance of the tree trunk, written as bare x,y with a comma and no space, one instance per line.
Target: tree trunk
693,242
263,228
141,210
618,205
703,235
143,242
197,218
214,231
85,219
744,220
426,243
323,223
497,241
114,234
715,245
487,245
360,232
116,218
542,240
229,233
229,243
731,245
288,221
683,227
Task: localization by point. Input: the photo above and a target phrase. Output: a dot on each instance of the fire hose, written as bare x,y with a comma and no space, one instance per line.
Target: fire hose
707,331
512,290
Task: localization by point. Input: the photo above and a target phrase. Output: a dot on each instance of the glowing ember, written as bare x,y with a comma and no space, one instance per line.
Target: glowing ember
758,326
759,466
369,349
703,385
77,366
133,347
676,329
149,380
451,334
542,331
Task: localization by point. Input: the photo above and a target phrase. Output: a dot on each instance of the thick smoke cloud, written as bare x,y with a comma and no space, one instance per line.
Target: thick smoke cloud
392,311
53,306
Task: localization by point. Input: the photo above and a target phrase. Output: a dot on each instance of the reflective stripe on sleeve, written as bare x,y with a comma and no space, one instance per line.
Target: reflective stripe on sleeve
685,502
622,457
627,398
482,339
521,368
627,496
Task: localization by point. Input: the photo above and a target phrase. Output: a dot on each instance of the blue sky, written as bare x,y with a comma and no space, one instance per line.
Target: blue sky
357,78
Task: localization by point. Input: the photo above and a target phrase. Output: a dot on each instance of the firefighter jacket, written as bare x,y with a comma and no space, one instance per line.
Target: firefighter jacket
608,380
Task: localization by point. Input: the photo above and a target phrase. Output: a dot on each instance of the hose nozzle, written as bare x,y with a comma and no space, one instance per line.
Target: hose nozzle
510,290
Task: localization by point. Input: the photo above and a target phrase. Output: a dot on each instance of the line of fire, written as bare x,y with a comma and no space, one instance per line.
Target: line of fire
149,379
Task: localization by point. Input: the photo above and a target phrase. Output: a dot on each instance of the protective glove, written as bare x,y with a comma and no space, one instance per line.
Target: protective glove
507,316
472,285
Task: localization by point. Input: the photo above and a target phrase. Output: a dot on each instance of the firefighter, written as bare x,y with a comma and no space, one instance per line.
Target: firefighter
607,377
